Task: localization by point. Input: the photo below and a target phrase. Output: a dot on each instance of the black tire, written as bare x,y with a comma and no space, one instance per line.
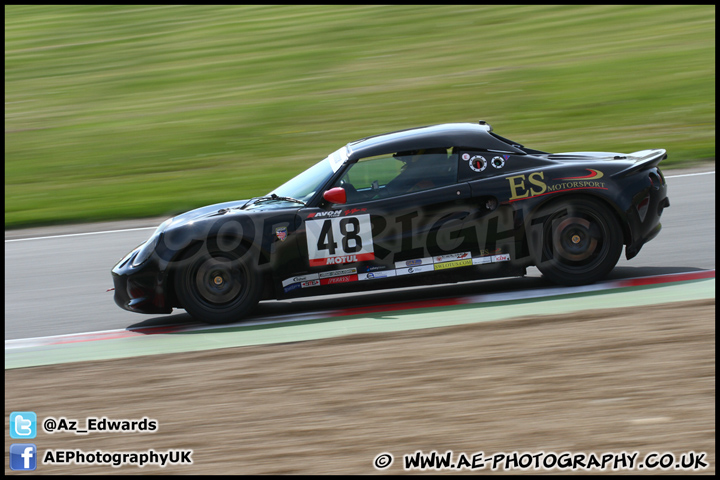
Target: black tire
218,287
580,241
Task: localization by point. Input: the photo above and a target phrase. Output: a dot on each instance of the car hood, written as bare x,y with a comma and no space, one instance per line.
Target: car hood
199,215
208,211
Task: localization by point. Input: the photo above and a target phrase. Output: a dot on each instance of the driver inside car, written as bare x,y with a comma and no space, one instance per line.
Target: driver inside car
422,169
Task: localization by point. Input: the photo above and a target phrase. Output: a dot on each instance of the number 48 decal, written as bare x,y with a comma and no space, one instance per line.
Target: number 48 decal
339,240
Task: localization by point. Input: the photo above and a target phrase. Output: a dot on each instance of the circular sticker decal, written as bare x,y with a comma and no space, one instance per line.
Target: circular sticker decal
478,163
466,156
498,162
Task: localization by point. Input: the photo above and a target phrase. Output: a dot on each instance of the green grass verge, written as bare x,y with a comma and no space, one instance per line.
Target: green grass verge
132,111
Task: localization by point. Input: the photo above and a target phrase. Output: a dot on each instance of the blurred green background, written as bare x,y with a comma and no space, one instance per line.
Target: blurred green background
132,111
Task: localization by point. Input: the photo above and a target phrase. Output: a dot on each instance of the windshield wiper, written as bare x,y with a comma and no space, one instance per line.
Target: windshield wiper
272,196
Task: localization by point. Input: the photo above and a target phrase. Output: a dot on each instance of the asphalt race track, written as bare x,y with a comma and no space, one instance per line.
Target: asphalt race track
56,279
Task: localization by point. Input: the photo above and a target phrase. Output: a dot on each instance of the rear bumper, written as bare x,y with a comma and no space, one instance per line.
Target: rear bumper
644,216
634,248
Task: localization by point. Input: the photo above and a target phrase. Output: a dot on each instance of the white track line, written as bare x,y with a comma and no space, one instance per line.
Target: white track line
537,293
81,234
690,174
149,228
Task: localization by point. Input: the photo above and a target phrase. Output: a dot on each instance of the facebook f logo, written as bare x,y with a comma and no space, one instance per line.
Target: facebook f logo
23,425
23,456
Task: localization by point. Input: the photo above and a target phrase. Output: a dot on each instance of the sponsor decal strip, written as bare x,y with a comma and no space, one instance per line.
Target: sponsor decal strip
457,263
418,269
482,260
420,265
300,278
333,280
321,262
338,273
291,287
376,275
452,257
414,263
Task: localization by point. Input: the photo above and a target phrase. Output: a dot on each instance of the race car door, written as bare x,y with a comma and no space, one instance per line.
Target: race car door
404,207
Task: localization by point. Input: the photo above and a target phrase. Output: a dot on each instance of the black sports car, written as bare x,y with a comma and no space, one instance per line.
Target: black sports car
435,204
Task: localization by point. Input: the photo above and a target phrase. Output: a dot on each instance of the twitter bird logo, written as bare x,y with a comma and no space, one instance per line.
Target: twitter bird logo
23,425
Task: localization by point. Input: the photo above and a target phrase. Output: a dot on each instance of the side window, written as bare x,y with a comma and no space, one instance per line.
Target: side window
372,173
404,172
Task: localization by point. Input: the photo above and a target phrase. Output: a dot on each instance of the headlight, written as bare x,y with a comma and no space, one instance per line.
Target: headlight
146,250
149,247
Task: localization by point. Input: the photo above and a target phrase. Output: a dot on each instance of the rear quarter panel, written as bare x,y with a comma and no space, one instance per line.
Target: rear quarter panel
520,192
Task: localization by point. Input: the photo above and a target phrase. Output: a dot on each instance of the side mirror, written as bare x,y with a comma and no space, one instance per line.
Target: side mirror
336,195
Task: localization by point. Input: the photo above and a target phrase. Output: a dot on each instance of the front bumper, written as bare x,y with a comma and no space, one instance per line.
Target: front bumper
135,297
139,289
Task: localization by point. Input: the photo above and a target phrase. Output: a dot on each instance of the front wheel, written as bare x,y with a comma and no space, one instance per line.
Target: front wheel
577,241
218,287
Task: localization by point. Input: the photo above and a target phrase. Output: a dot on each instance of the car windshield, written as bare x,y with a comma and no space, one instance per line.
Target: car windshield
304,186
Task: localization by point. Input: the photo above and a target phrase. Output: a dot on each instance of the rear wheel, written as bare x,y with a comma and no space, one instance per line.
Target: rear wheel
218,287
580,241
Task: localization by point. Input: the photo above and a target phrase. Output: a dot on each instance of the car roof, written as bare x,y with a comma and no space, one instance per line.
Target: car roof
465,135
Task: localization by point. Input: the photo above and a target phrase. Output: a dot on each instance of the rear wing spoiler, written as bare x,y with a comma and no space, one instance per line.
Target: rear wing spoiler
644,159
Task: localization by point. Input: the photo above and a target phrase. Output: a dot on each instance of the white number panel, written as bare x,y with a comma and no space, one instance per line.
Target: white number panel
337,240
